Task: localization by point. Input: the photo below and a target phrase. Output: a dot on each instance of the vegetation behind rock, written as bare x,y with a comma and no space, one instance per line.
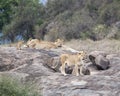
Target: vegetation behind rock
67,19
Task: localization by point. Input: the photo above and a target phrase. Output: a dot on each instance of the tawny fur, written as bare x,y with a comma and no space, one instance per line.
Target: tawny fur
19,45
39,44
59,42
70,60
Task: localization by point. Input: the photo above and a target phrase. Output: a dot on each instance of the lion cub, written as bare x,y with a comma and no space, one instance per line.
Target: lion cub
70,60
59,42
19,45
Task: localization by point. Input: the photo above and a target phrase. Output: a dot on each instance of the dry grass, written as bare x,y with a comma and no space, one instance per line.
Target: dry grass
109,46
9,45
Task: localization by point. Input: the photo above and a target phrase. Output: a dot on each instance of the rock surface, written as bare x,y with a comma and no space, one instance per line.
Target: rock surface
99,59
37,67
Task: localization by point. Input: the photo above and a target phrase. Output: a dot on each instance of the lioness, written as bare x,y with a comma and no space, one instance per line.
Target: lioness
39,44
32,42
45,45
70,60
19,45
59,42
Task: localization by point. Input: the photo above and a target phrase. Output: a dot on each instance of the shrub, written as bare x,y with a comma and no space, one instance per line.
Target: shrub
99,32
10,87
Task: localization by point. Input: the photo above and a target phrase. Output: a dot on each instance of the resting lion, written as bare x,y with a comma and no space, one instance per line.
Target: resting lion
31,43
59,42
75,60
19,45
39,44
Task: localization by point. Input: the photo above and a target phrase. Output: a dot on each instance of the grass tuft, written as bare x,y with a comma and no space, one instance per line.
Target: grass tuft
10,87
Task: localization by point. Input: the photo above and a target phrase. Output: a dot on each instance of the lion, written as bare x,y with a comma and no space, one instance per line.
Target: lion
39,44
19,45
75,60
56,44
45,45
32,42
59,42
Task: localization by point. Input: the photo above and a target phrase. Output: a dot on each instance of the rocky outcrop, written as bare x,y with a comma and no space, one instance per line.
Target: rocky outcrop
39,67
98,59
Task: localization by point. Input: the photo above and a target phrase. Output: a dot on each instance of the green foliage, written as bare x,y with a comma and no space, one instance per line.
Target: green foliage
80,18
114,31
52,35
67,19
54,7
99,32
10,32
6,11
109,13
11,87
23,20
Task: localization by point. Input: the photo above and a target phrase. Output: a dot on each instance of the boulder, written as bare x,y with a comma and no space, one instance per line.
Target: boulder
101,62
98,58
96,53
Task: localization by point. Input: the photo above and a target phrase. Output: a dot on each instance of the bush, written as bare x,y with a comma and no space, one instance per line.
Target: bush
10,87
99,32
114,31
82,19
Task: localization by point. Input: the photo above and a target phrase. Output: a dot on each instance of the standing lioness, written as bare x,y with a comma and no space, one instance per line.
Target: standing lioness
69,60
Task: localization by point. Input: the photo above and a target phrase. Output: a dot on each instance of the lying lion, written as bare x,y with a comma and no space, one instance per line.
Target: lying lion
39,44
31,43
70,60
59,42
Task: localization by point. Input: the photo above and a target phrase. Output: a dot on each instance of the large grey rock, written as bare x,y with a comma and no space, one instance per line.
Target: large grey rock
102,62
98,58
34,66
96,53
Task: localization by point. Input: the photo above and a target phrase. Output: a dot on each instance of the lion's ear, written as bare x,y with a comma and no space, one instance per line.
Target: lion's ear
81,52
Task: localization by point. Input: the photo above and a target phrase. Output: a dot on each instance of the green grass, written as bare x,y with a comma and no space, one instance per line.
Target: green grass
11,87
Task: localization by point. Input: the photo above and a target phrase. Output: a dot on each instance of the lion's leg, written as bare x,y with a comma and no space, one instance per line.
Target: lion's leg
18,47
62,69
81,69
76,70
82,63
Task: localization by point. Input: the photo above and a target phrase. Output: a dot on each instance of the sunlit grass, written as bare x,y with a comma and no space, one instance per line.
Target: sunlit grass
107,45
